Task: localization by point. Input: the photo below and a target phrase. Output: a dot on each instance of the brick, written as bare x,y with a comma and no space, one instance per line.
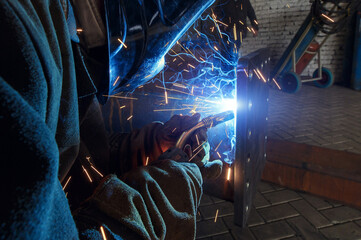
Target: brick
358,222
217,200
278,212
316,202
276,230
343,231
254,218
313,216
205,200
224,209
342,214
237,232
281,196
304,228
210,228
226,236
264,187
259,201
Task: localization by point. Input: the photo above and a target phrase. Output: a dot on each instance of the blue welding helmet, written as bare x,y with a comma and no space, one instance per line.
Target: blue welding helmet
140,33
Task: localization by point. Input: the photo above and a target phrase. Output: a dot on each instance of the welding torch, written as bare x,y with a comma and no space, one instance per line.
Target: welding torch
208,122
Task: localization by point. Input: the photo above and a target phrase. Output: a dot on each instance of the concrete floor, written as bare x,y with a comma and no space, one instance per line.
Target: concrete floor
323,117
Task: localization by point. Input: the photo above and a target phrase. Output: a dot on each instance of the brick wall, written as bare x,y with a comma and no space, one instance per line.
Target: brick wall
279,20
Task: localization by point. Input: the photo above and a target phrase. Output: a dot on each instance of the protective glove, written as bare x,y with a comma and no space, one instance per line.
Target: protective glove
171,131
195,151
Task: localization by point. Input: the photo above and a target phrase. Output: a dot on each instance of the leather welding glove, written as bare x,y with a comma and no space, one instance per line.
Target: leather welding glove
196,151
170,132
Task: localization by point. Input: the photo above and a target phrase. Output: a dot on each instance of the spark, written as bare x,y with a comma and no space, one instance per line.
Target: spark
249,29
146,161
123,97
86,172
255,21
122,107
215,47
67,181
229,174
182,46
174,130
288,5
166,110
260,73
240,36
79,30
130,117
219,155
274,80
103,233
245,71
241,22
191,65
166,97
174,59
177,54
173,90
122,43
197,32
218,145
221,23
96,170
327,17
254,32
179,85
197,139
256,73
215,218
192,90
116,80
196,153
235,32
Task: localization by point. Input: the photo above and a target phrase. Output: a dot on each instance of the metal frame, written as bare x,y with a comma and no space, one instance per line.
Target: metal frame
251,131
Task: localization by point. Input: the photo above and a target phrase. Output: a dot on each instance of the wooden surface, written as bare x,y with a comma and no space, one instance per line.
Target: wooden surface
324,172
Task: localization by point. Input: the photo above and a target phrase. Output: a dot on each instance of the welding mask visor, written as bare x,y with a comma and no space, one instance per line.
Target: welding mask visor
140,33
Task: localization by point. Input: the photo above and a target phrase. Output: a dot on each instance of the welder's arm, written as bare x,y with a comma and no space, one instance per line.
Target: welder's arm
158,201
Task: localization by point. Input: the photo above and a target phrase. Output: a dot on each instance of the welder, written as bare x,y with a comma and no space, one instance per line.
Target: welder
54,67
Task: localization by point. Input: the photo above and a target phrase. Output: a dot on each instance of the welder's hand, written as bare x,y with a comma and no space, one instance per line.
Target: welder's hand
198,152
171,131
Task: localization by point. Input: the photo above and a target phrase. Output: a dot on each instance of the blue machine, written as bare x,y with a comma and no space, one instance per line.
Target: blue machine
356,65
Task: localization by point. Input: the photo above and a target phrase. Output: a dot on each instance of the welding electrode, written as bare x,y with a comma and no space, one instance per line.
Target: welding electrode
208,122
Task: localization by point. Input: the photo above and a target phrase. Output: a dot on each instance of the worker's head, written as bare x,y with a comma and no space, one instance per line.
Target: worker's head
141,32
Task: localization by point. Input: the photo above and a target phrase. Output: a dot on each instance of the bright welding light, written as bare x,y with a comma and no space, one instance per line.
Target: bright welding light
227,104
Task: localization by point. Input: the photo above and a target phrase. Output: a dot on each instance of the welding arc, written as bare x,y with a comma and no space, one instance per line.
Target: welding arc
208,122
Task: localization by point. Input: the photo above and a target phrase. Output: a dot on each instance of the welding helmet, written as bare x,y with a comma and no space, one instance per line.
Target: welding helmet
140,33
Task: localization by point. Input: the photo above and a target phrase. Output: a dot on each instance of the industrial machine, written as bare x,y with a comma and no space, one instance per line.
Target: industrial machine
326,17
